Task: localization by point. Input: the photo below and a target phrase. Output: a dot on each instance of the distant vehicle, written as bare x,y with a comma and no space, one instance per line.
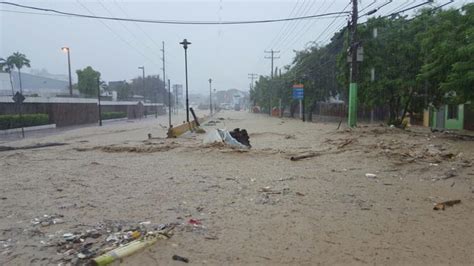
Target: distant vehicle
236,102
226,106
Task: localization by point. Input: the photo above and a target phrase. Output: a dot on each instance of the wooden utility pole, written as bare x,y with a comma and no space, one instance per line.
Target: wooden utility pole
164,78
354,73
272,57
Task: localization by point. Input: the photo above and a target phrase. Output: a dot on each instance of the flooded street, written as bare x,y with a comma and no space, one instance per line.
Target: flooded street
365,196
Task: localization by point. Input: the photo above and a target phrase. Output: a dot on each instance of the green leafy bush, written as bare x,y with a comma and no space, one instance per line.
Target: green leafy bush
26,120
113,115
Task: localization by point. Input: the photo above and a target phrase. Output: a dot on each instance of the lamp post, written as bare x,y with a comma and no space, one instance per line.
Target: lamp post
143,76
143,79
185,44
66,49
210,95
98,101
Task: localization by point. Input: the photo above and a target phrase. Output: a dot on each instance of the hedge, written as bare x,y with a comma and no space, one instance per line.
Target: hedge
26,120
113,115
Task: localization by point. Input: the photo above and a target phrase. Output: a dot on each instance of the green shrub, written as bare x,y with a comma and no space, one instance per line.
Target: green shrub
113,115
26,120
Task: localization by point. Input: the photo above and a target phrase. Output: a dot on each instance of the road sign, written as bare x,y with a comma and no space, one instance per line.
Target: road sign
298,91
18,98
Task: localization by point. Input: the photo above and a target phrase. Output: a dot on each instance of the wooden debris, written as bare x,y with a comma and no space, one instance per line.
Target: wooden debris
442,205
34,146
304,156
345,143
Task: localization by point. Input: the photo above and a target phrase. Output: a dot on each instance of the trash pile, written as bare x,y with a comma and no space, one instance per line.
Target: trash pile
408,153
101,243
47,220
236,139
241,136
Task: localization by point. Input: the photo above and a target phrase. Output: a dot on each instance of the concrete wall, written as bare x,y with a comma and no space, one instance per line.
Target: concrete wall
469,116
61,114
78,111
455,123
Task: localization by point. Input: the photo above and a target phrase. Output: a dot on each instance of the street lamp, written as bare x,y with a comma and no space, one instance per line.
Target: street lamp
210,95
185,44
66,49
143,77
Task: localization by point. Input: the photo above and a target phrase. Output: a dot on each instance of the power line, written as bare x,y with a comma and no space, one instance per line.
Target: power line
252,76
285,26
376,9
116,34
136,24
305,29
292,27
324,31
272,57
380,35
179,22
403,5
369,5
408,9
124,26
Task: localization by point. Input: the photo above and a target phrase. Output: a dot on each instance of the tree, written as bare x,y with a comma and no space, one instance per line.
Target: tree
19,61
153,91
7,66
448,48
123,91
87,81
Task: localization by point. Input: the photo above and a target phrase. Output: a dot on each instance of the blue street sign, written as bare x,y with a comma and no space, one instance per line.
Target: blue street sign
298,92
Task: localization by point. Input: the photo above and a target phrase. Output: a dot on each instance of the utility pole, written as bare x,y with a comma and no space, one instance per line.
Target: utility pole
164,79
252,77
176,102
68,50
185,44
169,101
98,101
272,57
210,95
354,74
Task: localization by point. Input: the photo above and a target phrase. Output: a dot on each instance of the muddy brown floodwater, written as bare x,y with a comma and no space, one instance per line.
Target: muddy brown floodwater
233,207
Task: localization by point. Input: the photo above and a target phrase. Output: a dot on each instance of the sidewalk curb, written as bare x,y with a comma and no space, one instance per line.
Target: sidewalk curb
26,129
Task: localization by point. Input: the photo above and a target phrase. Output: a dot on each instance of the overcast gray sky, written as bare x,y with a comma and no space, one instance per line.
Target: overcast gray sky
224,53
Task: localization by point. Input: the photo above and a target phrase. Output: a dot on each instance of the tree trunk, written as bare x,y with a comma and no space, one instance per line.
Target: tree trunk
292,110
311,110
19,76
11,82
406,105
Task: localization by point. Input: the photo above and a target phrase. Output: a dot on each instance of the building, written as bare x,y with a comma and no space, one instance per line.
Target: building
452,116
35,85
5,84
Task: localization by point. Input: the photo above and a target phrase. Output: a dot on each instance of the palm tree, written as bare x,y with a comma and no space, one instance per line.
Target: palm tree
7,66
19,60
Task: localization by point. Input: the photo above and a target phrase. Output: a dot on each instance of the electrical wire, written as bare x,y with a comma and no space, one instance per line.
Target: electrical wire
325,30
284,27
295,26
369,5
179,22
283,30
304,30
126,28
376,9
408,9
116,34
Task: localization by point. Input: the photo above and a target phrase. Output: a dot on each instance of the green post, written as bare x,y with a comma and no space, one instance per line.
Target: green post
352,119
